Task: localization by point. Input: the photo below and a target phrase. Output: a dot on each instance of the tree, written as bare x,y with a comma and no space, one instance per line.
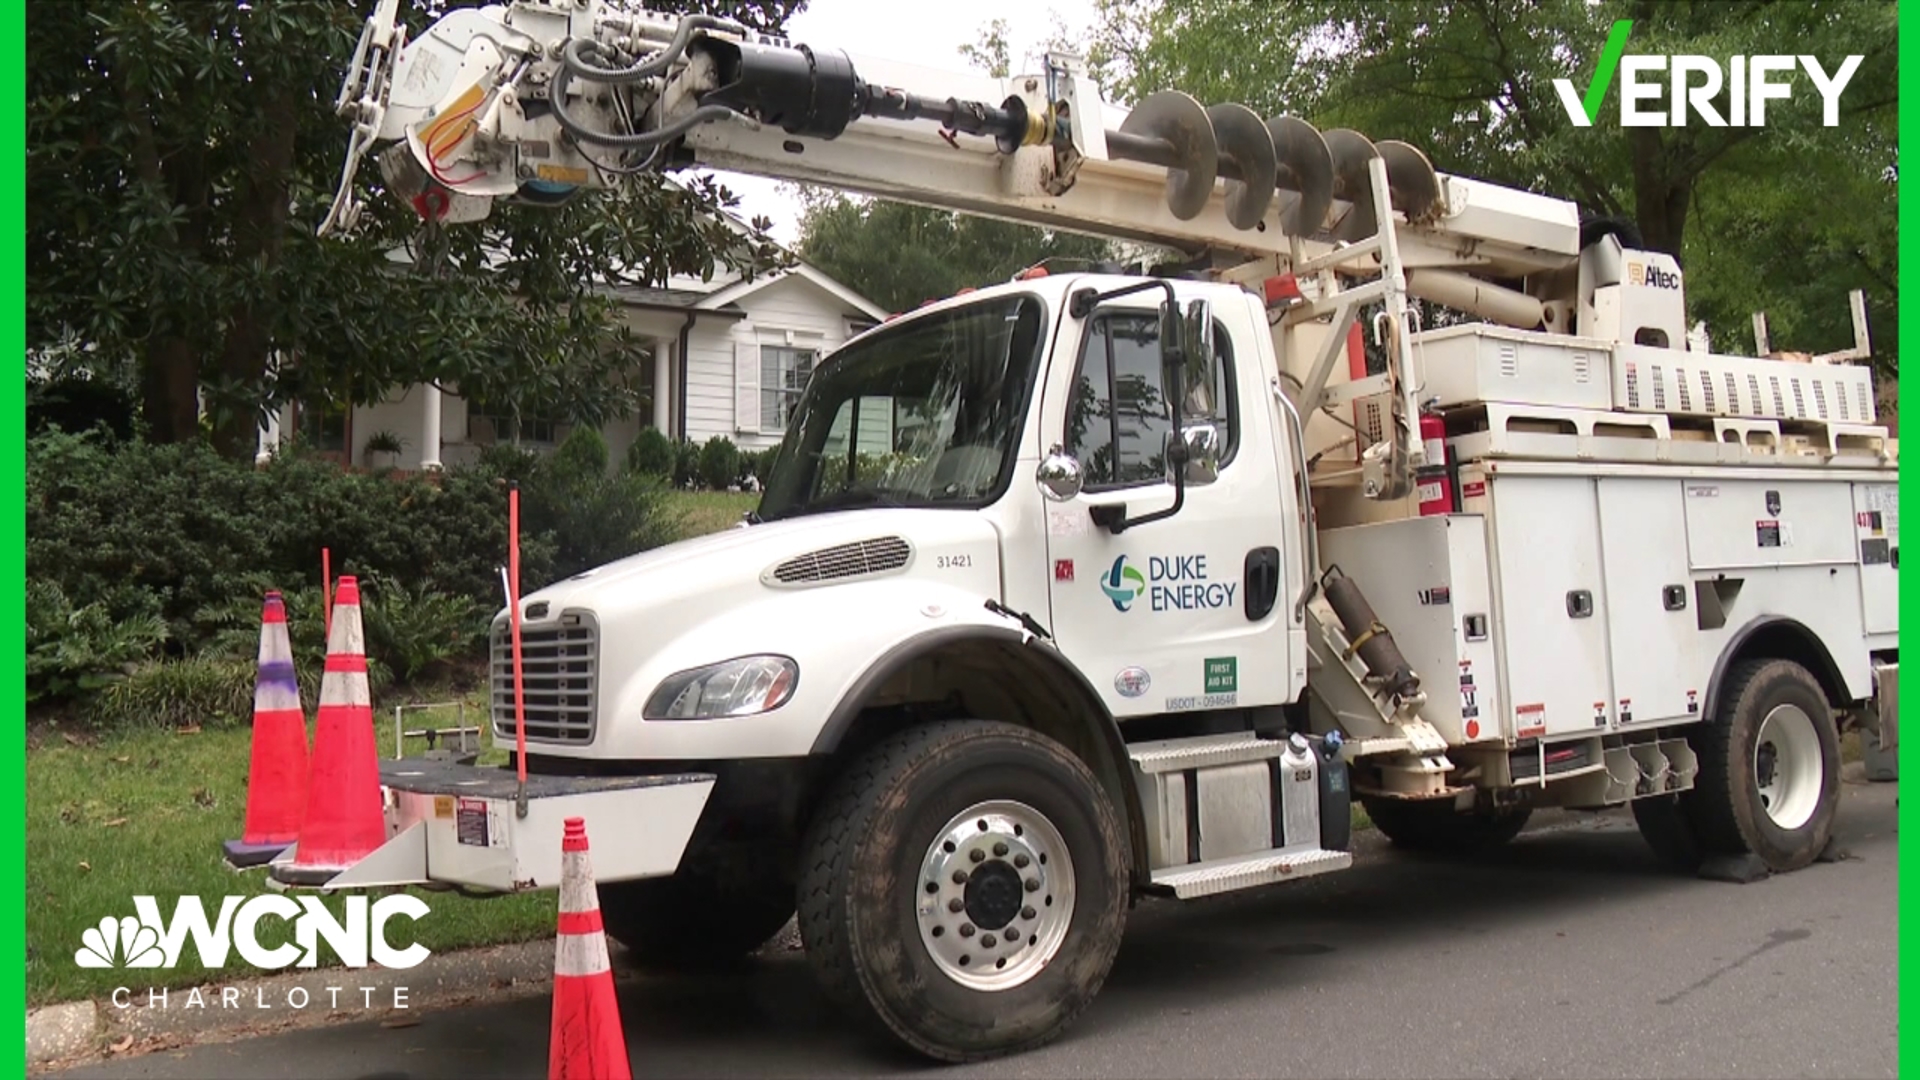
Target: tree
1470,82
181,153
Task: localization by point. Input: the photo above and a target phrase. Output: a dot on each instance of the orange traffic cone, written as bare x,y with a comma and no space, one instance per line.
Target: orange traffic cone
277,772
345,818
587,1042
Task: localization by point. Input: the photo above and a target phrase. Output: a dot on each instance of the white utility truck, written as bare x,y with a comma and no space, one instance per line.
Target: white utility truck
1089,587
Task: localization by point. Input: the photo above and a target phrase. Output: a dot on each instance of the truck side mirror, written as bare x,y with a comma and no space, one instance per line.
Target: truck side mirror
1197,445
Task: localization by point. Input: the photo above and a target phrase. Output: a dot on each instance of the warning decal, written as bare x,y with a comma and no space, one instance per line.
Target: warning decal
1529,720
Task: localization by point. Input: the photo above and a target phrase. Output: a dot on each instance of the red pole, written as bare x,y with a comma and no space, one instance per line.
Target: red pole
326,591
513,605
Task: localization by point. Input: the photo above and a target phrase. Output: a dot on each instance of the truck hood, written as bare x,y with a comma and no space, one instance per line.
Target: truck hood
726,568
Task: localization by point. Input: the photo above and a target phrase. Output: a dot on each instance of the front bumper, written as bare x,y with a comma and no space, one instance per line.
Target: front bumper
459,825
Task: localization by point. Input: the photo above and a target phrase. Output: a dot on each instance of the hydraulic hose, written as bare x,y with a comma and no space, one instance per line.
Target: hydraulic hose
575,59
558,98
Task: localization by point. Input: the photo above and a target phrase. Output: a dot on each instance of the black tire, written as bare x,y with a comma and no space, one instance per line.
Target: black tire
860,888
1434,825
1667,827
1728,811
689,923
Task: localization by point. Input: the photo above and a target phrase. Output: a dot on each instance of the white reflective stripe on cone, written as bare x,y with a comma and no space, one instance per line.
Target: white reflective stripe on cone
580,954
273,697
347,637
345,689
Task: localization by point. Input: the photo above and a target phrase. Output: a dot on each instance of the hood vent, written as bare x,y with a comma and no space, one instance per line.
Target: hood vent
863,558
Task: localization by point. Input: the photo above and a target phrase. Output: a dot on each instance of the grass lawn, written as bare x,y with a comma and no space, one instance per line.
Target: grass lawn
703,512
145,813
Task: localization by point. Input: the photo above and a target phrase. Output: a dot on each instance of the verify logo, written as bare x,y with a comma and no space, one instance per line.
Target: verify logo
1745,80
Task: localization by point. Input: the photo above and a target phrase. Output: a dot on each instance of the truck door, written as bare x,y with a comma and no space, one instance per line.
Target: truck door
1191,611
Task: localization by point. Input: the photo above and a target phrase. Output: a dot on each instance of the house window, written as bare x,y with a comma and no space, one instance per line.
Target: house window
322,426
487,424
783,375
1117,420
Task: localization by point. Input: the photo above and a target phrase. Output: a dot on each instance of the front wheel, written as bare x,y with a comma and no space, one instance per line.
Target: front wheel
965,887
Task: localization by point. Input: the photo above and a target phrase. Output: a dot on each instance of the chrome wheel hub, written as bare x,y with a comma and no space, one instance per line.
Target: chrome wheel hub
995,895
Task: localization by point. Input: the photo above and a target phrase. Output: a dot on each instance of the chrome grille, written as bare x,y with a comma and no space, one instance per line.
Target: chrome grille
876,556
559,669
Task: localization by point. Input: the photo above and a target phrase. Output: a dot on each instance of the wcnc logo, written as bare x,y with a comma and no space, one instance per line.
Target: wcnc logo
151,942
1746,83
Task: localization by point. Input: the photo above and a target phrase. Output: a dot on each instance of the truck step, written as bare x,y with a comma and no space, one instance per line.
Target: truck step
1203,752
1249,871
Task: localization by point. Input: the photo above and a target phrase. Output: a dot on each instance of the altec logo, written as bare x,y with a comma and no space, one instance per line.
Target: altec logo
148,941
1746,80
1653,277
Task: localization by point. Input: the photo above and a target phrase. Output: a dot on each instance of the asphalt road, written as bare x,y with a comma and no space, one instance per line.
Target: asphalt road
1567,954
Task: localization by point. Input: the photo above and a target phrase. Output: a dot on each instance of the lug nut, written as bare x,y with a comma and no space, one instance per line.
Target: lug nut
1033,884
959,877
1021,861
956,904
966,929
1027,913
977,855
1000,849
988,942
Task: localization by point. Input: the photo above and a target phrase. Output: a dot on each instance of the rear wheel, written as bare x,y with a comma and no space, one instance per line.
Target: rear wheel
1769,778
1434,824
964,888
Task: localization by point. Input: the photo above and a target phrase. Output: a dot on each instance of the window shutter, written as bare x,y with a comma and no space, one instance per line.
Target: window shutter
746,386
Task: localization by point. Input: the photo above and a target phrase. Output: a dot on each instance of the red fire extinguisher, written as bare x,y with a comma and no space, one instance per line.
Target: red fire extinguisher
1434,488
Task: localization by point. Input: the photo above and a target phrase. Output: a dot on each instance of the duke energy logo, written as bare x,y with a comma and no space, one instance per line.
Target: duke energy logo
1123,584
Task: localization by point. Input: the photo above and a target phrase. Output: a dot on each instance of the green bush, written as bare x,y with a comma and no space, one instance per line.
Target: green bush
651,454
719,463
196,691
582,454
118,533
686,465
71,651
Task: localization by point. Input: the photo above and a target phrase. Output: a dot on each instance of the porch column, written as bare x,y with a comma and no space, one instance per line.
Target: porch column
269,439
663,385
430,426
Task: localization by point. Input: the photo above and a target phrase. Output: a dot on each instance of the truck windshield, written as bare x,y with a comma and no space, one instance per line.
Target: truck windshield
922,414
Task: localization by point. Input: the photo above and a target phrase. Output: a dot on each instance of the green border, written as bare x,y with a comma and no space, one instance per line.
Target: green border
13,540
1909,385
13,531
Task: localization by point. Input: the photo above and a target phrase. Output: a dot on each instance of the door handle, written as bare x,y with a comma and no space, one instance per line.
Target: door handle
1263,582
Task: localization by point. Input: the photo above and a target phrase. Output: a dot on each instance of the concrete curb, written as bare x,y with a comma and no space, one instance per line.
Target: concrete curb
73,1033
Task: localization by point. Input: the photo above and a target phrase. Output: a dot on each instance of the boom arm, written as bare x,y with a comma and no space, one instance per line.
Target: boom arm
539,100
535,101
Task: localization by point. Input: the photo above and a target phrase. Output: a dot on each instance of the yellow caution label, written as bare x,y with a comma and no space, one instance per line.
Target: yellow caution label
561,174
443,806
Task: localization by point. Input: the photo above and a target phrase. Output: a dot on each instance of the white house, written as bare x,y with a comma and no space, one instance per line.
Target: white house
728,357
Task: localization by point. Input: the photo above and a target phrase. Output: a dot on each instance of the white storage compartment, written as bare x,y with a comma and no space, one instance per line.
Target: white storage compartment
1551,612
1426,578
1476,363
1703,384
1747,524
1653,631
1876,521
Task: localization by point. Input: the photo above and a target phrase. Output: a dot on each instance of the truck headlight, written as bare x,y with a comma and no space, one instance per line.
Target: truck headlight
739,687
